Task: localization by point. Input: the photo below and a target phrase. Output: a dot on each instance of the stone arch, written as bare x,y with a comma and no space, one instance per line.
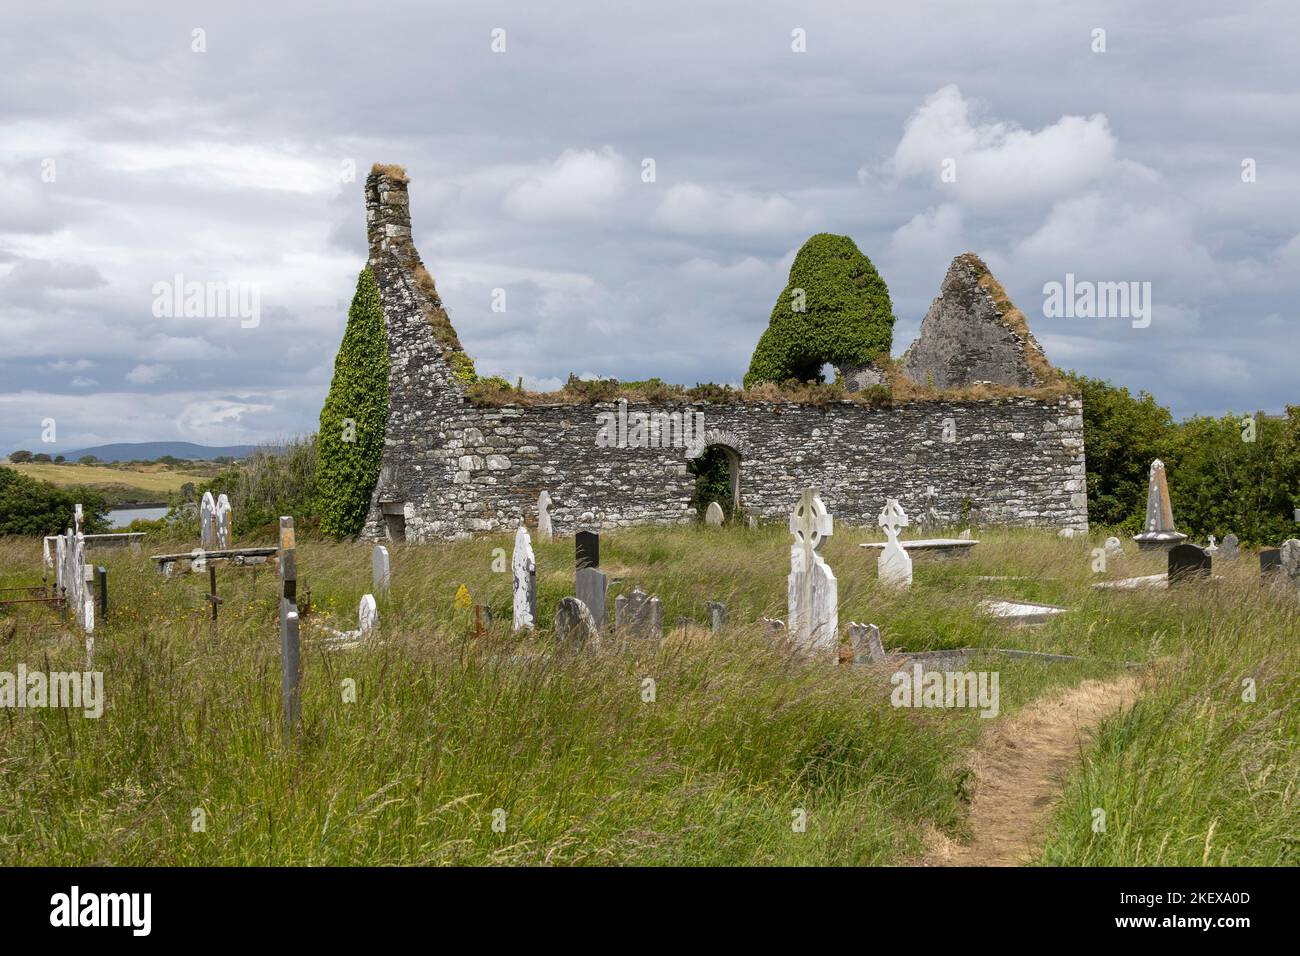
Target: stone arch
732,446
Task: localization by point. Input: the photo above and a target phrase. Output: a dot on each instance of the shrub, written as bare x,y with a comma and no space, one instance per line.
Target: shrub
847,316
349,457
32,507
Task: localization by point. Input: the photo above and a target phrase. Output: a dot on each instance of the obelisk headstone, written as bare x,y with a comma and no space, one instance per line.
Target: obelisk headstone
1159,530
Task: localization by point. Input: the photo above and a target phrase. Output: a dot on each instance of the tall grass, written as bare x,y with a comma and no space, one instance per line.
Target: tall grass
447,728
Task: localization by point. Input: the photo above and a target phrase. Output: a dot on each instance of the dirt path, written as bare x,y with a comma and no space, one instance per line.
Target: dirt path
1020,767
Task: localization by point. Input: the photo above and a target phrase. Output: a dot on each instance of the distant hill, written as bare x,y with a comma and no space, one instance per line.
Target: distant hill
153,450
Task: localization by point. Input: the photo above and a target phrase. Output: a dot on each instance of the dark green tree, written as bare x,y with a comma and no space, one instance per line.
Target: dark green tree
31,507
834,309
350,445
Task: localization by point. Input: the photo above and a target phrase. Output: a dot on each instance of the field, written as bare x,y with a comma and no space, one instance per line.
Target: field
133,483
449,733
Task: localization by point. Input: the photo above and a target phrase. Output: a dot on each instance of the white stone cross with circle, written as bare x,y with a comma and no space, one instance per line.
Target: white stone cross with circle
893,519
810,523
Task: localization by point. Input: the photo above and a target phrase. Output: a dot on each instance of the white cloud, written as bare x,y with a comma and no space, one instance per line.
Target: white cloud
216,421
997,162
705,210
149,374
580,184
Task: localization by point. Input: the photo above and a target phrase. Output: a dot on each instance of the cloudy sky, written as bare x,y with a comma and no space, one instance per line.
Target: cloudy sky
134,149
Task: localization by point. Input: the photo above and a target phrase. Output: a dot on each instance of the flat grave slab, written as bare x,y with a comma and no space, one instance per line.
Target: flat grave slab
1021,612
944,547
1160,580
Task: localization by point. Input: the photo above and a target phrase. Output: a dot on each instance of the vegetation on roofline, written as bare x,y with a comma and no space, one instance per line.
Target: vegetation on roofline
834,309
391,170
495,392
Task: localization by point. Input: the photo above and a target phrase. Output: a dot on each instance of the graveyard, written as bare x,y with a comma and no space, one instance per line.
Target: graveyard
467,719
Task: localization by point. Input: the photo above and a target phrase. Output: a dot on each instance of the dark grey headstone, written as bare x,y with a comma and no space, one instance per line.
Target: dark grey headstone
589,585
587,547
1270,561
867,646
638,616
1188,561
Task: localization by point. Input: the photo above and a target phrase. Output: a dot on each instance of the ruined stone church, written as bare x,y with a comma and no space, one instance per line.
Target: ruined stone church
983,439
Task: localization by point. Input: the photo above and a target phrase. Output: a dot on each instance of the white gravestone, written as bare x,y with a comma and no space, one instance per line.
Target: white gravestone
811,589
523,564
1113,546
894,566
1160,532
544,532
367,615
223,523
713,514
381,570
208,522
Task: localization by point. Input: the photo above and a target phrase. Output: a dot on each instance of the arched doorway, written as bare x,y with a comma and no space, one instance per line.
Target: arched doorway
717,478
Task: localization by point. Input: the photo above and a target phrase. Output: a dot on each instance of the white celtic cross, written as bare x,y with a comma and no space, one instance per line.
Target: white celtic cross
810,523
893,519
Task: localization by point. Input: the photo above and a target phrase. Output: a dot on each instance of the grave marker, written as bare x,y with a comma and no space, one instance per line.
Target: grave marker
290,668
367,615
208,522
544,532
223,523
1290,559
587,549
811,589
713,515
381,569
894,567
867,646
590,586
1187,561
1113,546
1229,549
717,615
523,566
1270,562
639,616
574,625
1160,532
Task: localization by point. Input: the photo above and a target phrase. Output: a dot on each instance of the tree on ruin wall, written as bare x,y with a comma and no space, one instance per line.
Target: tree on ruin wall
351,441
835,309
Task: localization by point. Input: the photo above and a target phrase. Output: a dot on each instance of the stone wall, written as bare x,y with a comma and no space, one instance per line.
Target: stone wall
451,468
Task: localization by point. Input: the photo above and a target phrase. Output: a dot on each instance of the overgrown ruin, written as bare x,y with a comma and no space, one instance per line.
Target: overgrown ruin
1010,453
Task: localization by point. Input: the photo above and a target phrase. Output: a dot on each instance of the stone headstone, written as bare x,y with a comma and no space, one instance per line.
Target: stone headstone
224,523
523,566
1159,532
1270,562
367,614
1188,561
965,535
574,626
1229,549
544,532
867,646
208,522
811,589
717,615
587,549
638,616
713,514
380,569
589,585
1113,546
1290,559
930,516
894,567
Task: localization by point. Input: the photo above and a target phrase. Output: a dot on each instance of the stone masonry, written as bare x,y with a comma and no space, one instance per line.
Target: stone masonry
451,468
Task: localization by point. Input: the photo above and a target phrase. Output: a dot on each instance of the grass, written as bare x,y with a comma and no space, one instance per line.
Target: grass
447,728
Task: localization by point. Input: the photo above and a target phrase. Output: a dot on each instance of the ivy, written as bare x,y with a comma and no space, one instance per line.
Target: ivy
835,308
350,446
